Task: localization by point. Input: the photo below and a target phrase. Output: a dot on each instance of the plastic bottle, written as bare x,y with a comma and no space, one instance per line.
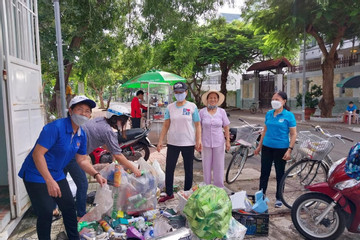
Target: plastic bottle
151,214
140,203
149,233
166,214
136,198
117,181
140,224
117,176
132,220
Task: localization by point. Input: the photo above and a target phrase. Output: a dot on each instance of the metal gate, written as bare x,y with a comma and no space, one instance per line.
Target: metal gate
266,90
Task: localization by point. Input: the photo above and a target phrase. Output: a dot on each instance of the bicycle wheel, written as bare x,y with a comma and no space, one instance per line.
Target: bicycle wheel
236,164
252,109
299,175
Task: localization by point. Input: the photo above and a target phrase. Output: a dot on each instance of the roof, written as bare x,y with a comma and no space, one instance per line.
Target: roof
270,64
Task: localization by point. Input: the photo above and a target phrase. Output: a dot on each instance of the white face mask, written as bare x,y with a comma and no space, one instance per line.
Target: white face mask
212,106
79,120
275,104
180,96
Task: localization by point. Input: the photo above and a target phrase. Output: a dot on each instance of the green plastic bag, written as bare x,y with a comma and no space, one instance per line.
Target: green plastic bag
208,211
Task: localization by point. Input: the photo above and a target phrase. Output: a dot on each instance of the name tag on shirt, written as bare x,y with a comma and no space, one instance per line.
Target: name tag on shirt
281,120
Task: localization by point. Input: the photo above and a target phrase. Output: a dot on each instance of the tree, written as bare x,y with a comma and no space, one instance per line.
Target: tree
328,22
229,45
85,23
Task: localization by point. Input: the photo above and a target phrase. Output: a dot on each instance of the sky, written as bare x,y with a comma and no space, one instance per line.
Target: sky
236,9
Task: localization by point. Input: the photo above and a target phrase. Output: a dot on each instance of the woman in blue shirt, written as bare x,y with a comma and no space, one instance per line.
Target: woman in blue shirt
42,170
274,144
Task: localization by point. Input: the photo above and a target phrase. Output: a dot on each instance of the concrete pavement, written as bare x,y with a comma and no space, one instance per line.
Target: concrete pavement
280,227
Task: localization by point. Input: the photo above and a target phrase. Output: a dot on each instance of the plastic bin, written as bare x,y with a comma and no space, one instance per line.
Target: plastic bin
256,223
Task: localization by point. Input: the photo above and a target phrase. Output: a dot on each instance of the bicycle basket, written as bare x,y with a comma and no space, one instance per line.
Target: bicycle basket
312,146
247,133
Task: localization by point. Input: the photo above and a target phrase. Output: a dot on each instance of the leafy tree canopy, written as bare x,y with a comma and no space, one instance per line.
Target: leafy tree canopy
327,21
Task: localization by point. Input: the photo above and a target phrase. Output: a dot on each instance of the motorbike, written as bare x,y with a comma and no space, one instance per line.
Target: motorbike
135,145
331,206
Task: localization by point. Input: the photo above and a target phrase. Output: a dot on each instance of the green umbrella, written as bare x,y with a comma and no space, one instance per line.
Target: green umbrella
153,76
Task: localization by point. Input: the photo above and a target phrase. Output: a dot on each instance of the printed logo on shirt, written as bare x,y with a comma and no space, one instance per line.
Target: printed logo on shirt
186,111
77,144
281,120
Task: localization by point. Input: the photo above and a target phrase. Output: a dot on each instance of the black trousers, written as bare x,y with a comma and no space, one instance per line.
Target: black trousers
135,122
43,205
268,156
172,156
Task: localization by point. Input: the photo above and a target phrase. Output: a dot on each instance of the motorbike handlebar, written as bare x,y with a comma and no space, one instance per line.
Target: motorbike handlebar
348,139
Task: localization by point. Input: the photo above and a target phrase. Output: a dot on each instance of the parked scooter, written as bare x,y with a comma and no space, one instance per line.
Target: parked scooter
135,145
330,206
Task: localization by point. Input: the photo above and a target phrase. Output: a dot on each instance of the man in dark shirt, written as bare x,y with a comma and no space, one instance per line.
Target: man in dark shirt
136,106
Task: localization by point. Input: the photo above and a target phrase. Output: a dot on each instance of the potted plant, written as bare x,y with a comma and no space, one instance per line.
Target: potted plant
311,100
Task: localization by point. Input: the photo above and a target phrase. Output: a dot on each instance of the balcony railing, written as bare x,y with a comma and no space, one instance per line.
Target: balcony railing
316,65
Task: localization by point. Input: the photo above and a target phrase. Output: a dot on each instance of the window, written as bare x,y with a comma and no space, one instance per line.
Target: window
22,28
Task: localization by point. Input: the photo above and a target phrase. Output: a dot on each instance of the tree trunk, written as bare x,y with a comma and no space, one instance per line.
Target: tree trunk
109,100
224,77
327,101
195,89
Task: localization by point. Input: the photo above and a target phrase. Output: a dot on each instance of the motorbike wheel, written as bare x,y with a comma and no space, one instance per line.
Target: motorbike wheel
311,205
140,148
92,157
299,175
197,156
236,164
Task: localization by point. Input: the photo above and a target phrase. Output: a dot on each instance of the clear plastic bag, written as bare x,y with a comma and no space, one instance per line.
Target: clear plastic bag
104,201
160,174
236,230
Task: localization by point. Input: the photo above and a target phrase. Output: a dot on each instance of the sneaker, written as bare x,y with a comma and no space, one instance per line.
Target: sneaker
278,204
163,199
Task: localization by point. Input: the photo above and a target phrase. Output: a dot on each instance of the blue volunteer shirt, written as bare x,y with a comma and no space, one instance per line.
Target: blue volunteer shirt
62,146
351,109
277,133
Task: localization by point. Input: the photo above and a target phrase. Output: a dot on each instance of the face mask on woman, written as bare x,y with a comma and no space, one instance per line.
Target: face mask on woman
211,107
275,104
79,120
180,96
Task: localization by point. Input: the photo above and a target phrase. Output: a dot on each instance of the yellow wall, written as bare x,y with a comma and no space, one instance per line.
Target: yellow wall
318,81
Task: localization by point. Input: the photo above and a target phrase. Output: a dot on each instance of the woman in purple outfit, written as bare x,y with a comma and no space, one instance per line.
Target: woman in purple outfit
214,124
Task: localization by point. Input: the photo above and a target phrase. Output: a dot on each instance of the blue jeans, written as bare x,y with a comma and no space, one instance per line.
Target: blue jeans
81,182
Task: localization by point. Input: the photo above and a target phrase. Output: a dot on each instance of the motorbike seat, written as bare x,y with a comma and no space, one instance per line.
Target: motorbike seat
131,134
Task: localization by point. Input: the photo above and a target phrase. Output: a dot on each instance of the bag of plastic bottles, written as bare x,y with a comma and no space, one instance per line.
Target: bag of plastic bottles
208,211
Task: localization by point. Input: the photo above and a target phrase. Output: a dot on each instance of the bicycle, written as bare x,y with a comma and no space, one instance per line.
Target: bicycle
244,141
255,107
312,168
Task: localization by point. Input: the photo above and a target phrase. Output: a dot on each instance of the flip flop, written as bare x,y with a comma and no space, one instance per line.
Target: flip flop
56,217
